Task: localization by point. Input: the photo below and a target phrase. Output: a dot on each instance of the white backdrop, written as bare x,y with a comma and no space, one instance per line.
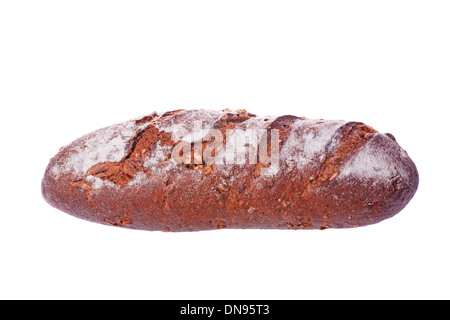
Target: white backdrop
70,67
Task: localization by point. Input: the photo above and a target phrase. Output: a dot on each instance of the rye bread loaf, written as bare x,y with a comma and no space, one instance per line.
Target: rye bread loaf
330,174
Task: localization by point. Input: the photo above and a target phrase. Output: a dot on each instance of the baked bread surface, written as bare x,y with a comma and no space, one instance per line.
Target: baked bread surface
329,174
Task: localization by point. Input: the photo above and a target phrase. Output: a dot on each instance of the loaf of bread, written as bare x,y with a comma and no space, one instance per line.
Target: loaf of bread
191,170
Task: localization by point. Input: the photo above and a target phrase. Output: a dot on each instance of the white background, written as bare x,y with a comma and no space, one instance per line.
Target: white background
70,67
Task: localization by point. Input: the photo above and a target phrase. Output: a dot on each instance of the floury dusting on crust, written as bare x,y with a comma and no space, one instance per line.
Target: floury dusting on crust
182,125
307,141
104,145
375,164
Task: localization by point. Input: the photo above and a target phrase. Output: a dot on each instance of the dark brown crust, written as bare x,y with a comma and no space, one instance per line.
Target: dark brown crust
121,173
206,198
353,136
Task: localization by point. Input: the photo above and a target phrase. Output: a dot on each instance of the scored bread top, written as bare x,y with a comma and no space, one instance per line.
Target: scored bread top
306,142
